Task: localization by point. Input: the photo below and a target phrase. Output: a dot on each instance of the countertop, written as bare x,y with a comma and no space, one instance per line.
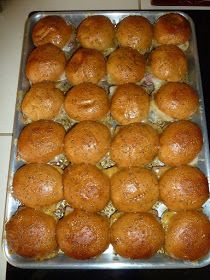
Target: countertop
12,20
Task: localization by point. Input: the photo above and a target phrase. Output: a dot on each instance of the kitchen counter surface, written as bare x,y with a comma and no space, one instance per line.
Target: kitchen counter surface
12,20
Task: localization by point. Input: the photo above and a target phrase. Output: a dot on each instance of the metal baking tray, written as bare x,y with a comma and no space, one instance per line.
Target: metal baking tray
108,259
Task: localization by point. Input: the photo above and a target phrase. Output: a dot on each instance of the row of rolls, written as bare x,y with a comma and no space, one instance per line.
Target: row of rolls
130,142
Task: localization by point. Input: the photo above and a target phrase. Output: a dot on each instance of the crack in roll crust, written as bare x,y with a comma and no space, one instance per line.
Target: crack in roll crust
83,235
45,63
86,101
52,29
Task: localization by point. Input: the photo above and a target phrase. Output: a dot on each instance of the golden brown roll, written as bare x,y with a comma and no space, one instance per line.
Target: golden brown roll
169,63
42,101
86,65
86,187
183,188
134,145
177,100
86,101
172,28
45,63
37,185
41,141
52,29
96,32
87,142
188,236
137,235
134,189
129,104
135,32
83,235
180,143
125,65
31,233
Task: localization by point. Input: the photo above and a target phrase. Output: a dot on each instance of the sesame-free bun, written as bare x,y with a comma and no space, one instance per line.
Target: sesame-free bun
37,185
172,28
86,65
41,141
134,145
180,143
134,189
52,29
87,142
129,104
31,233
96,32
83,235
125,65
86,187
188,236
177,100
137,235
169,63
45,63
135,32
86,101
183,188
42,101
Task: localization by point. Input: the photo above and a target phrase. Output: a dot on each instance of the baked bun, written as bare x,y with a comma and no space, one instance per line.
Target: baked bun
183,188
86,65
96,32
169,63
180,143
188,236
86,187
31,233
83,235
172,28
41,141
125,65
86,101
134,145
37,185
177,100
42,101
52,29
137,235
130,103
134,189
87,142
45,63
135,32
